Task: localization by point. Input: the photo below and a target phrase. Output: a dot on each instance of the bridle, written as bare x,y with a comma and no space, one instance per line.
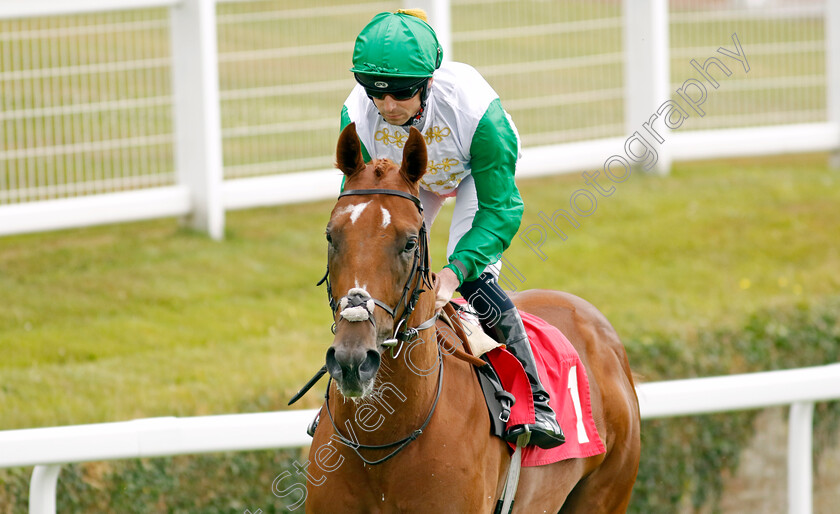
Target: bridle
419,276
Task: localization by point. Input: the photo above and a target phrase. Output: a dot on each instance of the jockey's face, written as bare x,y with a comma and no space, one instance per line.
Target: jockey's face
398,112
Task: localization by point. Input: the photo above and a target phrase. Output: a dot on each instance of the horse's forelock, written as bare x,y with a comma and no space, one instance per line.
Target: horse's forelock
381,173
381,168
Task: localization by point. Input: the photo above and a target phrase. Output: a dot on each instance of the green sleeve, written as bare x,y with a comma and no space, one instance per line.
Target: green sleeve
494,150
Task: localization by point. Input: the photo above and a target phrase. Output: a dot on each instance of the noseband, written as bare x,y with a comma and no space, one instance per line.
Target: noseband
419,275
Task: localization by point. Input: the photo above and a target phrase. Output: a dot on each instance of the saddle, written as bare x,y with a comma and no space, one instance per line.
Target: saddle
507,391
451,333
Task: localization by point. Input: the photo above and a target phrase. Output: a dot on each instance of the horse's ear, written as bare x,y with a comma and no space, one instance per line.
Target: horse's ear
414,157
348,153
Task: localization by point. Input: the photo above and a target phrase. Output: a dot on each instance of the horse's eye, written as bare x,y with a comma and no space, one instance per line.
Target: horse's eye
329,238
410,245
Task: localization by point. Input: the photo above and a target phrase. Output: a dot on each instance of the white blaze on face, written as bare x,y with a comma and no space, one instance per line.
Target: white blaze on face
354,210
386,217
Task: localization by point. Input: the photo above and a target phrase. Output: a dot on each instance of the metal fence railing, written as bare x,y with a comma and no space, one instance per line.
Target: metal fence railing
193,107
786,41
556,65
85,105
283,72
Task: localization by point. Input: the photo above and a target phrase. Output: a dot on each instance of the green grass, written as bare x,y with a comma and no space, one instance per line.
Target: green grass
148,319
705,246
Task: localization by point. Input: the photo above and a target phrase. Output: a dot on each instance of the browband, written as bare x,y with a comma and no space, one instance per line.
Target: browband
392,192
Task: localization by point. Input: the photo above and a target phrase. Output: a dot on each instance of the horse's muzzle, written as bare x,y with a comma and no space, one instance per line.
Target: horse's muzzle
353,369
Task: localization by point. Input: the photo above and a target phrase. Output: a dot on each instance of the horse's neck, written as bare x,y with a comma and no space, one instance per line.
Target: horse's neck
412,367
416,366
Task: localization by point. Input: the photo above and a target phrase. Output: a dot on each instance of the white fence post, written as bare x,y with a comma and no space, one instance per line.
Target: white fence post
832,56
800,480
42,489
197,120
646,68
440,18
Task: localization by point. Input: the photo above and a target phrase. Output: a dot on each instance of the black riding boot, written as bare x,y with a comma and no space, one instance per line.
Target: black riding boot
545,432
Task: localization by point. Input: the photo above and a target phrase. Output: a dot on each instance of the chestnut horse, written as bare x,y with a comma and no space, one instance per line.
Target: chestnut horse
405,426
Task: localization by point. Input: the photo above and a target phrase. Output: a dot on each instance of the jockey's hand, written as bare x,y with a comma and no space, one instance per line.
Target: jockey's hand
445,286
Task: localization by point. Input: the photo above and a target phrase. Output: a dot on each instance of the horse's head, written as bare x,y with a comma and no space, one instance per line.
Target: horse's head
377,258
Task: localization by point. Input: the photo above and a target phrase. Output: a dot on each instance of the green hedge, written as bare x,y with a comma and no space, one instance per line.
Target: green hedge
682,459
686,457
206,484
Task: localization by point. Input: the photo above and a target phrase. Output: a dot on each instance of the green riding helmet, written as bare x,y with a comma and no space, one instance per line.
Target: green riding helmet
399,46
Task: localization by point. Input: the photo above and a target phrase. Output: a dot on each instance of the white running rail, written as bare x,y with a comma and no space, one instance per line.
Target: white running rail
49,448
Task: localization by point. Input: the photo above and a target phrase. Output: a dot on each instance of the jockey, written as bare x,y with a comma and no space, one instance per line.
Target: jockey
473,147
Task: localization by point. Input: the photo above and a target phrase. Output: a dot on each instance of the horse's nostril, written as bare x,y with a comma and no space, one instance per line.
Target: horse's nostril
370,365
332,364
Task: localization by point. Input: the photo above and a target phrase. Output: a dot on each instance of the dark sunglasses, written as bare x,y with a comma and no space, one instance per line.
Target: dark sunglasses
399,95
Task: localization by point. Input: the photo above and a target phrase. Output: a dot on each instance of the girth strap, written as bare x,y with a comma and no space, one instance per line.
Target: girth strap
505,503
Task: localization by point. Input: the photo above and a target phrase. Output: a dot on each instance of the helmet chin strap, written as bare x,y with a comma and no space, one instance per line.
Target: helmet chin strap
415,120
424,95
